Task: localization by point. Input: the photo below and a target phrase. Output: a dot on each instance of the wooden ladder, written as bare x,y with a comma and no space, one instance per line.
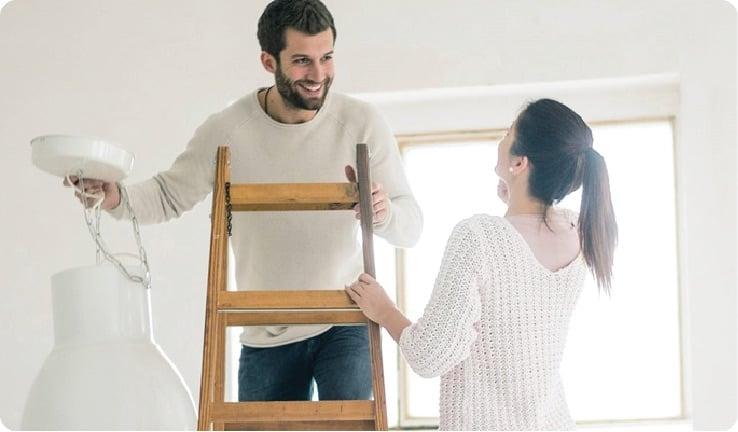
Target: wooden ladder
249,308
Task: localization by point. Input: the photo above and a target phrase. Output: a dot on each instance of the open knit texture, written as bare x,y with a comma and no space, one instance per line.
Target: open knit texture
495,330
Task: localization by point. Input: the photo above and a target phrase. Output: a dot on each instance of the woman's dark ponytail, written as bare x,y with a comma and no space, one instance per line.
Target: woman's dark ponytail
558,144
598,231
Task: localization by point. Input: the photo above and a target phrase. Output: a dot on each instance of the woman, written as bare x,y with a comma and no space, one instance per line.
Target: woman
496,323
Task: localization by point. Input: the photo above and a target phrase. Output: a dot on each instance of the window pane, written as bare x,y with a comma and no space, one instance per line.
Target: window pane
623,356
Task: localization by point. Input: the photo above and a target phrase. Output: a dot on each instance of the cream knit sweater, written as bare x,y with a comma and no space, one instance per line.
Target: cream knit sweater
312,250
495,330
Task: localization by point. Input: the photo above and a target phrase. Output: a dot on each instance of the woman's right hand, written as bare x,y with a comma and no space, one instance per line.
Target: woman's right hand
502,191
373,300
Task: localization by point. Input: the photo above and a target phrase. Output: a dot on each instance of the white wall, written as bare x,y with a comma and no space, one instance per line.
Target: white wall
146,73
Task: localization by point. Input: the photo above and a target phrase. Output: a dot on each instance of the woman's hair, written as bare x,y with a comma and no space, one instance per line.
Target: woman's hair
558,145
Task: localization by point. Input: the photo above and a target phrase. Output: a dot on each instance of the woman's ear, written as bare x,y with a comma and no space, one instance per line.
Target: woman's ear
524,163
269,62
518,164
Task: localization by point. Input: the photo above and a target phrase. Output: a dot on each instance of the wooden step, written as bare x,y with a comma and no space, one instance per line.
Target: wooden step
293,196
291,411
313,299
325,425
258,318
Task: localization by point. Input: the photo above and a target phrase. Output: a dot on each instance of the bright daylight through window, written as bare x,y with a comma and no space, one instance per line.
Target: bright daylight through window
623,358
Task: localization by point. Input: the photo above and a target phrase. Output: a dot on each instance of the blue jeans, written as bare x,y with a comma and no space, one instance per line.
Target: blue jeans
338,360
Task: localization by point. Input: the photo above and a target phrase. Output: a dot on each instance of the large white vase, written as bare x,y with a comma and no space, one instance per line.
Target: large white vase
105,371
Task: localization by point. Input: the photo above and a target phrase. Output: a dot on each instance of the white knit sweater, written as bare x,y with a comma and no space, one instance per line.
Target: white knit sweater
495,330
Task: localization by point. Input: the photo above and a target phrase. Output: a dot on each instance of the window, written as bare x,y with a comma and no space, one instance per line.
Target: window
623,359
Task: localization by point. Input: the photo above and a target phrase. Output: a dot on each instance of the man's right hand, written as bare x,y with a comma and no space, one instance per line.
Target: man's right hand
95,187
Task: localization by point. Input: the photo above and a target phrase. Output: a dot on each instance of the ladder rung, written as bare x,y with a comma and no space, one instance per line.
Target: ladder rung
325,425
314,299
295,317
230,412
293,196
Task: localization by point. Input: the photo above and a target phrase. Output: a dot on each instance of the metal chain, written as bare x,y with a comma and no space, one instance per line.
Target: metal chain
92,219
137,233
229,215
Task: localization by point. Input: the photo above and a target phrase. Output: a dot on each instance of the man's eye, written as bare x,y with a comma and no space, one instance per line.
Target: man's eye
302,61
327,58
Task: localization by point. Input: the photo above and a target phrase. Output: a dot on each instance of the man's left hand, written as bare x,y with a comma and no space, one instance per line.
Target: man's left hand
380,199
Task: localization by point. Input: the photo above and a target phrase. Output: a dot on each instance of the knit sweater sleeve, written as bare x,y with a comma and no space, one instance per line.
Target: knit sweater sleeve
404,222
444,335
187,182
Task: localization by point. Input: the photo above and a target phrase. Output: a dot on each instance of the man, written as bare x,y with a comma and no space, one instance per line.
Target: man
292,132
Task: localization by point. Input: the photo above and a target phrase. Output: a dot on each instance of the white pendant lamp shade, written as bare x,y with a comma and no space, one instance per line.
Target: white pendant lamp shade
63,155
105,371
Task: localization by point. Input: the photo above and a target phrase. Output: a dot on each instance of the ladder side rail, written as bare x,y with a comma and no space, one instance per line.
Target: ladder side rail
216,282
367,232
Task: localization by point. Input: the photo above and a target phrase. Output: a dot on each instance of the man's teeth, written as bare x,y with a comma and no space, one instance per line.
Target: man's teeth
311,88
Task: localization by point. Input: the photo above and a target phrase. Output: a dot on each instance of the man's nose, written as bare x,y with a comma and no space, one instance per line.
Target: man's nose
317,72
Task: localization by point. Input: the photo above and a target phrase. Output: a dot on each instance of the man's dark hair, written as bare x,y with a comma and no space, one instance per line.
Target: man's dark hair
307,16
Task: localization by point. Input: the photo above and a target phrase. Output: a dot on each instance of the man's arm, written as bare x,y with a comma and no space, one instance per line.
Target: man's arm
187,182
169,193
403,222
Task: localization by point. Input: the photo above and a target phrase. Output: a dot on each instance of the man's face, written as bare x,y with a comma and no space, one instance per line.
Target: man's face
304,72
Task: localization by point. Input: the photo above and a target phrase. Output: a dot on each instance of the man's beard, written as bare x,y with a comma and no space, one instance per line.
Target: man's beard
290,94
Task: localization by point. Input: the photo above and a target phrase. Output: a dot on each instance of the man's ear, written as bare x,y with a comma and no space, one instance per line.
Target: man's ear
269,62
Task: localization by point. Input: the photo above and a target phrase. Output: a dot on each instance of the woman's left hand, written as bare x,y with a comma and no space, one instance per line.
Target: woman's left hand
371,298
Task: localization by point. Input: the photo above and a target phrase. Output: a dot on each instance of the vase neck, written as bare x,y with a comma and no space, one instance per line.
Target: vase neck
96,304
